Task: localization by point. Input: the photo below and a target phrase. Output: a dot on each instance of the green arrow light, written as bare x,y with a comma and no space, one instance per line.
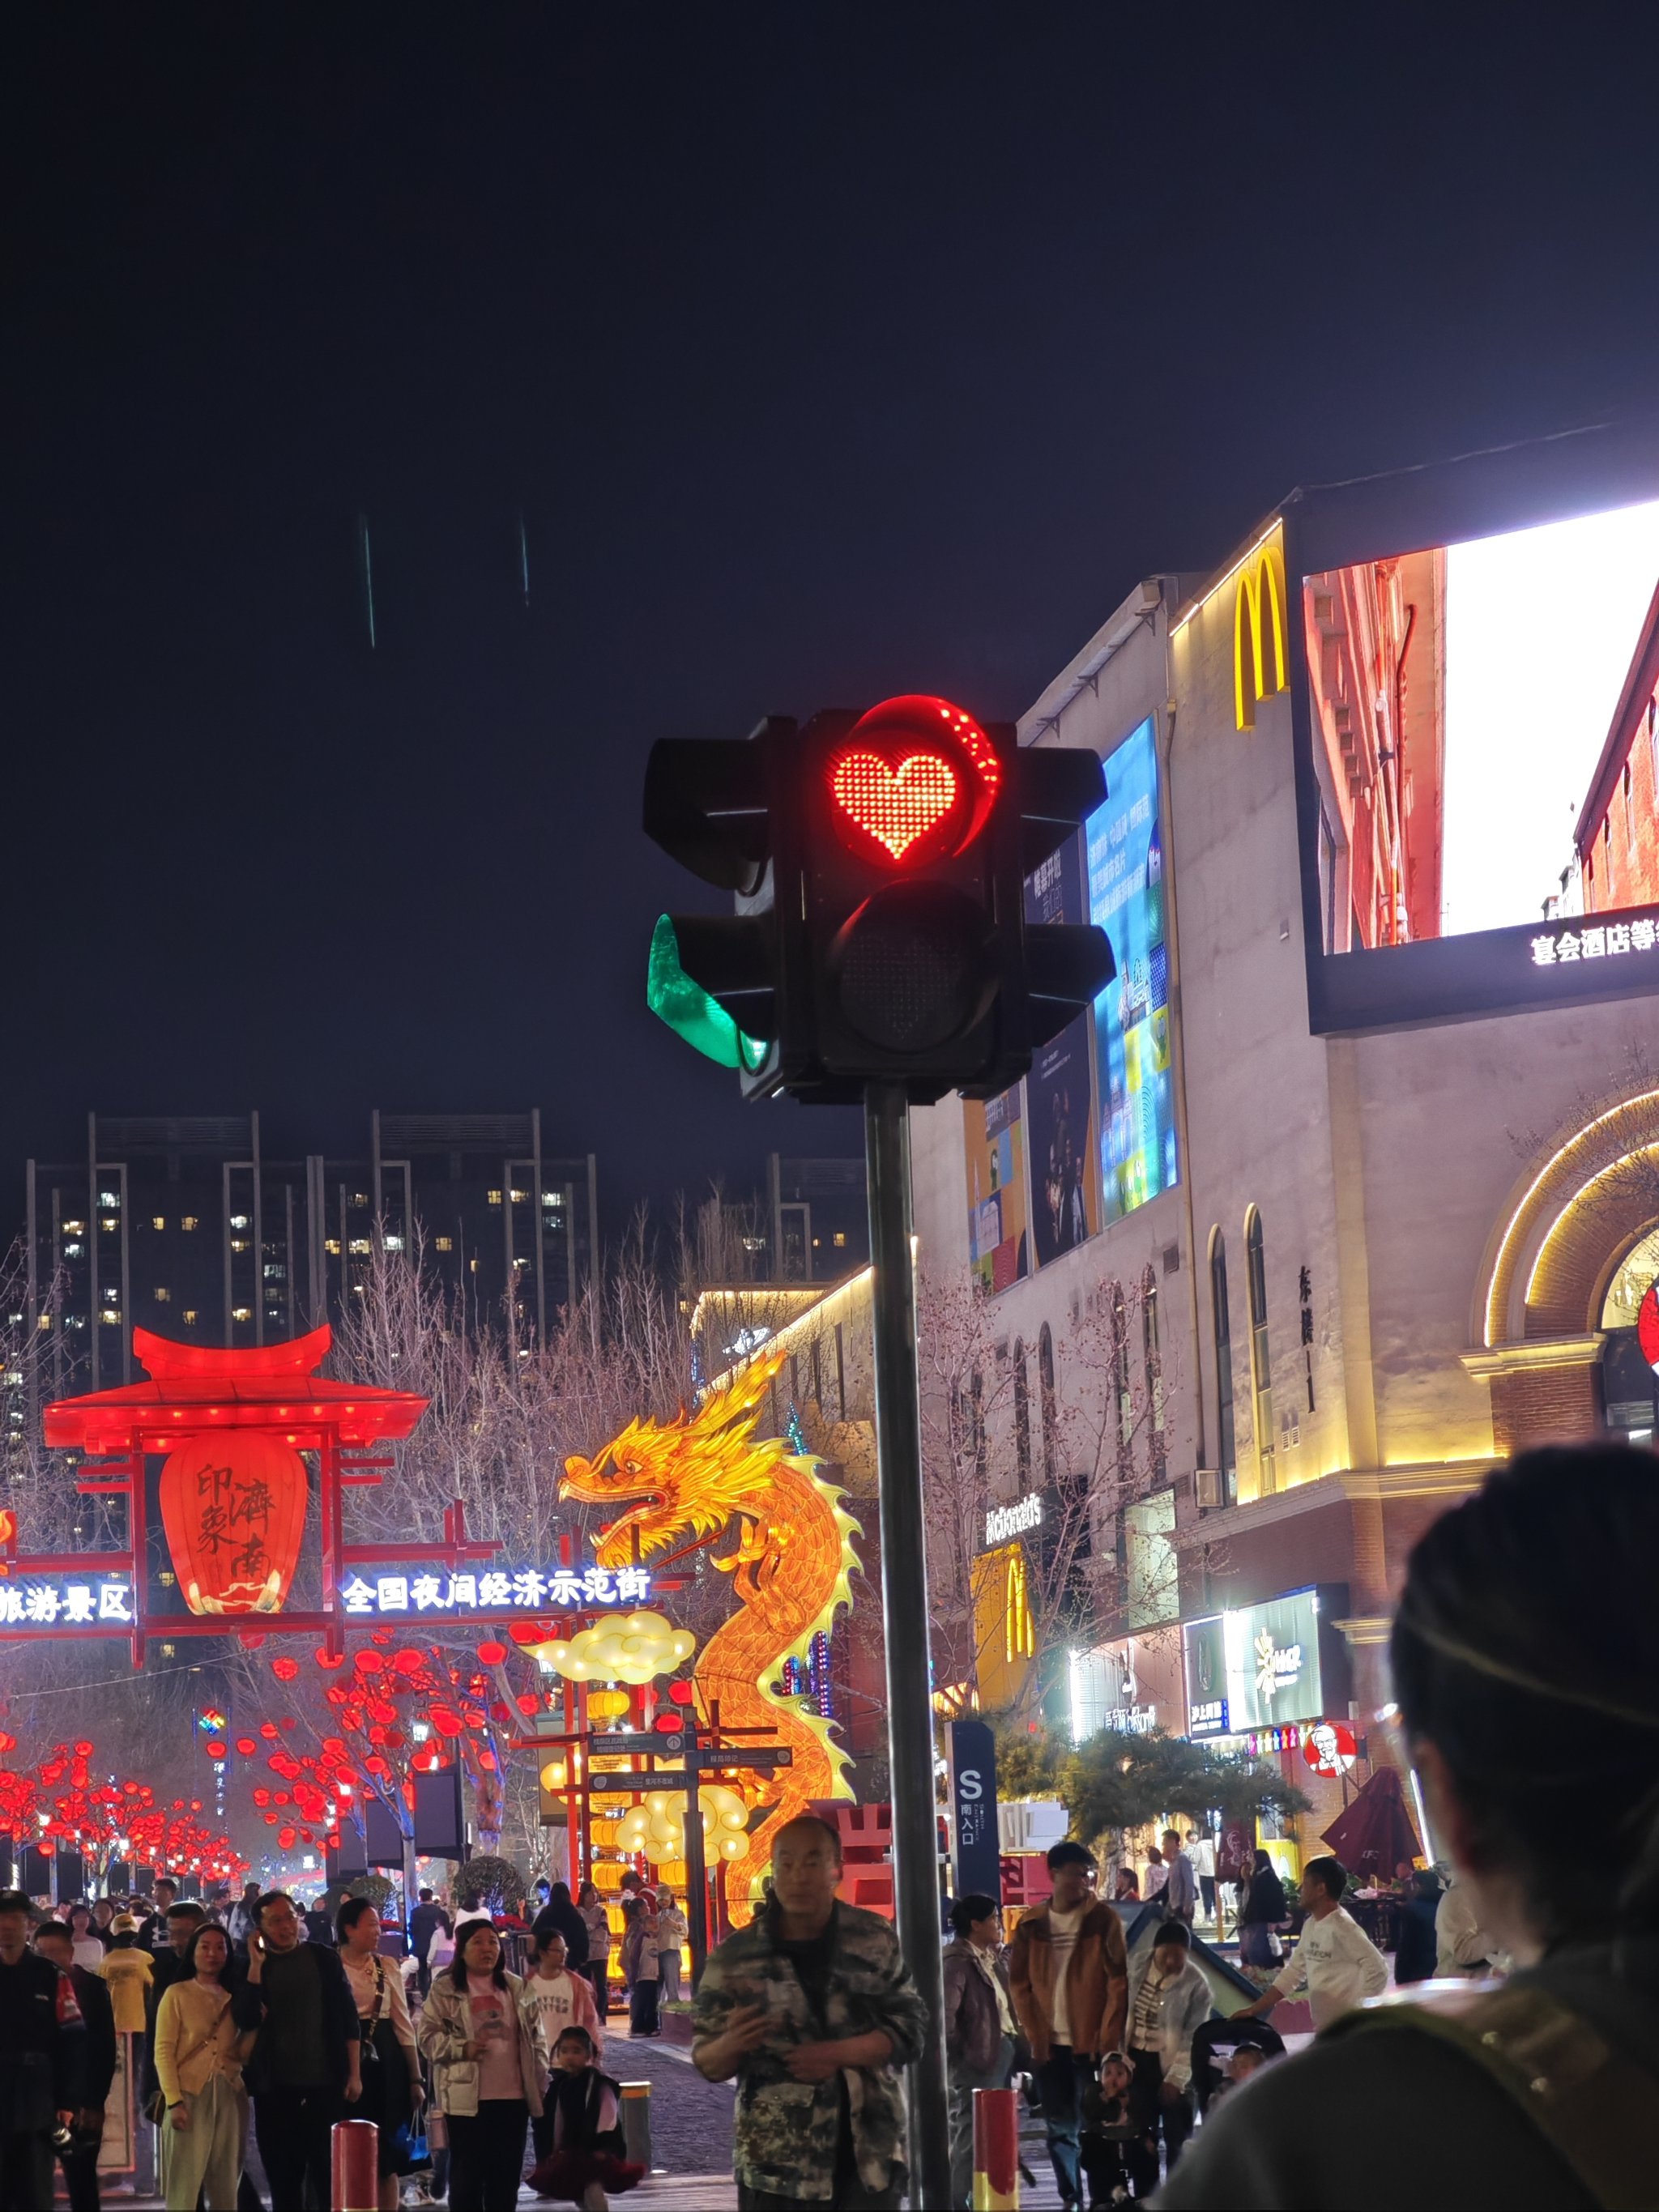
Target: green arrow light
688,1009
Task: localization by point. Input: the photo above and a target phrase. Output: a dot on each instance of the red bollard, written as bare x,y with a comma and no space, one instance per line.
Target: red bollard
355,2183
996,2150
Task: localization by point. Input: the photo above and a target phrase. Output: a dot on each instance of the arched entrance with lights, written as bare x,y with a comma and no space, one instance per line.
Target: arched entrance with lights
1562,1306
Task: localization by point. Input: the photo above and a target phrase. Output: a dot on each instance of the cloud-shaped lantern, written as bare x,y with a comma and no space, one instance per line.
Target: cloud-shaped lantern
657,1826
620,1647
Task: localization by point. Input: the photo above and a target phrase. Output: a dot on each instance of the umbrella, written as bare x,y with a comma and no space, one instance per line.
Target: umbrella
1375,1832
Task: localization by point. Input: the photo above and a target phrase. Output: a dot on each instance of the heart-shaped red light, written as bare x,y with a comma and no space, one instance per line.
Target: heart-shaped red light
894,805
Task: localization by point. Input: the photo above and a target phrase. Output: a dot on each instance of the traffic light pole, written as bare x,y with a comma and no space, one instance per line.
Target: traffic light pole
905,1622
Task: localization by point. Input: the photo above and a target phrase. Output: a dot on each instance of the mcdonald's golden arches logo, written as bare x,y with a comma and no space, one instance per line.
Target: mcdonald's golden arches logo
1259,632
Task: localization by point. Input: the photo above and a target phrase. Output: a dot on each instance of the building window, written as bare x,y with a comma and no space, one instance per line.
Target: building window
163,1294
1154,1358
840,1239
1021,1418
1226,1448
1262,1381
492,1198
188,1316
239,1221
109,1198
239,1243
159,1222
109,1227
519,1197
332,1245
1046,1403
187,1221
242,1313
1126,1411
443,1243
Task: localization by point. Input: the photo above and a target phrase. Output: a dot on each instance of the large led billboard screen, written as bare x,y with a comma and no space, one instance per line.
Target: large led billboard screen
1459,731
1475,679
1123,841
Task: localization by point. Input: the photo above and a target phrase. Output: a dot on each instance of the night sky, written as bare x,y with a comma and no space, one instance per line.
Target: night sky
827,351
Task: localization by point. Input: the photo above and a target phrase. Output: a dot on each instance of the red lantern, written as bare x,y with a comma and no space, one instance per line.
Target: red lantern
245,1747
285,1839
215,1749
285,1669
233,1507
331,1660
529,1632
370,1663
492,1654
409,1661
528,1705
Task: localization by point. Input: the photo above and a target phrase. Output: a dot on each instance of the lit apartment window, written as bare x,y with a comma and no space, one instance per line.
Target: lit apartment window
239,1221
109,1198
360,1244
239,1243
443,1243
160,1221
360,1197
74,1251
112,1314
552,1198
473,1266
492,1198
74,1228
109,1227
1262,1381
163,1295
839,1238
394,1243
187,1221
331,1244
242,1313
188,1316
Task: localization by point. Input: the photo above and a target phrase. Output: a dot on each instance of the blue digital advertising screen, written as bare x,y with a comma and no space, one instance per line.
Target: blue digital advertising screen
1124,851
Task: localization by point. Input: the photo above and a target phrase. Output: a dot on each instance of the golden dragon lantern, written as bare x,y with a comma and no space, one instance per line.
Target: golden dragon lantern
791,1562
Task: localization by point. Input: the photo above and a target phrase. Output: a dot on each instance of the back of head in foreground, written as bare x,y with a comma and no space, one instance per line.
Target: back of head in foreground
1525,1658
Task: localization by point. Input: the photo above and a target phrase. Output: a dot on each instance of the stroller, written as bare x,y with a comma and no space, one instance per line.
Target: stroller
1214,2039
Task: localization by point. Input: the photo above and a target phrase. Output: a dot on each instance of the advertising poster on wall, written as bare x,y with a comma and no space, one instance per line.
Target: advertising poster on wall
1060,1102
996,1139
1125,859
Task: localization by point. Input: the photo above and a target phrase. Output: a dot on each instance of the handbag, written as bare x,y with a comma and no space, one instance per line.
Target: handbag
370,2053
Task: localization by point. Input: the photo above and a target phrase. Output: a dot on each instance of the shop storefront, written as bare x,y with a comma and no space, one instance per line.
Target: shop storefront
1132,1684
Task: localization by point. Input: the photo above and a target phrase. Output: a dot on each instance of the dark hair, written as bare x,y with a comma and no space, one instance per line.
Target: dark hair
1263,1863
560,1894
811,1820
1174,1931
1069,1854
207,1927
166,1882
539,1944
575,2035
266,1900
349,1914
968,1911
458,1966
1330,1874
51,1927
81,1906
426,1897
189,1910
1526,1650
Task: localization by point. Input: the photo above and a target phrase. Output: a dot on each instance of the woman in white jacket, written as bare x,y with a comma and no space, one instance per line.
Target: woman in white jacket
1169,2002
489,2066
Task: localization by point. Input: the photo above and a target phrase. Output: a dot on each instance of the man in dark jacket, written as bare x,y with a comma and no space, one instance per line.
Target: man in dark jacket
53,1941
427,1918
306,2065
167,1965
979,2025
42,2070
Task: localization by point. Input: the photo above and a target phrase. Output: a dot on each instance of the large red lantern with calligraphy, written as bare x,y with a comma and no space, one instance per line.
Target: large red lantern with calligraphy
233,1507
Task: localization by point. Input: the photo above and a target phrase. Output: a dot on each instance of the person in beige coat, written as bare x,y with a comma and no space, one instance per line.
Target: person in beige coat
482,2038
199,2052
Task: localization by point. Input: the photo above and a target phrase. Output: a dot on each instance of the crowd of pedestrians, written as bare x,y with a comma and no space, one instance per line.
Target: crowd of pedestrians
261,2022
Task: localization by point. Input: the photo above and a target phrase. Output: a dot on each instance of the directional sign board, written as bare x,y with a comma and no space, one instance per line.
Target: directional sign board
711,1761
635,1743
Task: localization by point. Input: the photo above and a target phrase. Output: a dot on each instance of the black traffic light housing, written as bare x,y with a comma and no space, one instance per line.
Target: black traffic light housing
878,864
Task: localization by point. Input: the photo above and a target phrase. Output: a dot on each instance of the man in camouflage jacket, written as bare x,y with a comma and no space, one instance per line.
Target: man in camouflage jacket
813,2009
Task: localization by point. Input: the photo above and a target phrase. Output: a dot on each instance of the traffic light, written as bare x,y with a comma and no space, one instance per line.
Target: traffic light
879,863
